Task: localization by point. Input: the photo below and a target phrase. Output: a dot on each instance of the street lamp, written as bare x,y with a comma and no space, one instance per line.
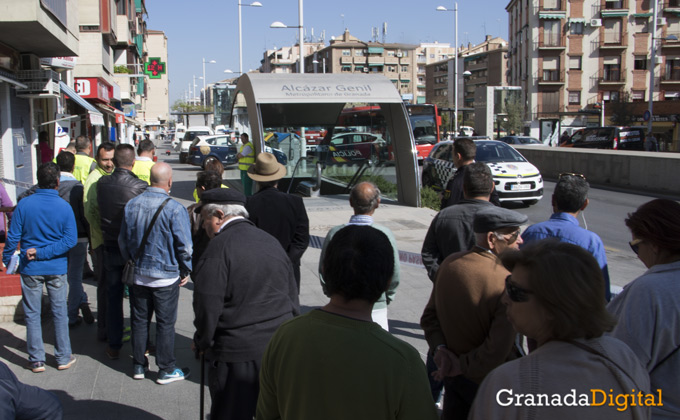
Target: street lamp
240,36
203,96
279,25
455,64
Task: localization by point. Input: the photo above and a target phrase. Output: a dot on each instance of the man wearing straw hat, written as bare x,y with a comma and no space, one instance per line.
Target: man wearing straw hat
281,215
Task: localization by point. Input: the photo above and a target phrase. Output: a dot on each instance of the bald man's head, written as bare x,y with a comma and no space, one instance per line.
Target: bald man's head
161,175
364,198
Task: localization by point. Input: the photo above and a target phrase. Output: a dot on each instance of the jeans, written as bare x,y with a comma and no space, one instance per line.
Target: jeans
113,271
32,292
76,295
102,295
164,302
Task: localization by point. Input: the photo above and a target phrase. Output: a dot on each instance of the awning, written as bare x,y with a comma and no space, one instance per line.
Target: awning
12,82
577,20
96,117
641,15
375,50
551,16
618,13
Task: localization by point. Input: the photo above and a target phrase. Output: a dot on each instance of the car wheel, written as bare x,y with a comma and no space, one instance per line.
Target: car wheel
530,202
208,161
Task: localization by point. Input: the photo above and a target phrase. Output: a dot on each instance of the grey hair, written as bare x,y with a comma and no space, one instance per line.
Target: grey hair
227,209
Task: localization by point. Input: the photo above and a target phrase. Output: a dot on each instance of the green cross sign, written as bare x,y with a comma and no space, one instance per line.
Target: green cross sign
154,67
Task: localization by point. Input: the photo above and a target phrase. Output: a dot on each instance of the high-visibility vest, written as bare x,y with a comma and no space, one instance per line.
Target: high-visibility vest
82,167
142,168
246,161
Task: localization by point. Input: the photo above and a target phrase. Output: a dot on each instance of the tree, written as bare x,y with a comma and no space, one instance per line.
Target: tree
621,110
514,110
181,106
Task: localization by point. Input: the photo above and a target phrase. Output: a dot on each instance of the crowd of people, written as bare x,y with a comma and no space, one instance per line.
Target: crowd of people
512,313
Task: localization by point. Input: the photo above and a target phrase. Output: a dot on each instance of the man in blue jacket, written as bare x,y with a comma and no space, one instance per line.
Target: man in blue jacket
162,269
44,224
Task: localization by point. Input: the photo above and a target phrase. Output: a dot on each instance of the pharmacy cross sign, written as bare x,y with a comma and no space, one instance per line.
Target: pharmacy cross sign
154,67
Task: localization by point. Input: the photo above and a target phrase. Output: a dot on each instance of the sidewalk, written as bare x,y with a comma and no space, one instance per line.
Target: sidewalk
96,387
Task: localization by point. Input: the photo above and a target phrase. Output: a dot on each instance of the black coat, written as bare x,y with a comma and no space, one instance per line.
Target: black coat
284,217
113,193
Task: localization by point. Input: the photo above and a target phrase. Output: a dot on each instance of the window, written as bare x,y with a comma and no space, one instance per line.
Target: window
404,85
610,96
404,68
431,55
672,69
346,53
551,101
359,69
359,53
641,25
575,97
612,31
551,69
612,69
575,62
638,96
551,4
346,68
392,69
576,28
613,4
390,53
551,33
640,63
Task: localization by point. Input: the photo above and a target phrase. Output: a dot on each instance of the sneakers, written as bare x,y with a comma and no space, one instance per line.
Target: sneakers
112,353
70,363
36,367
176,375
87,313
139,371
125,339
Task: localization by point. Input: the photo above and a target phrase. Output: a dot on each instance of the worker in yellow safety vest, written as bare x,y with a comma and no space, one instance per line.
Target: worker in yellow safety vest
84,162
246,158
145,154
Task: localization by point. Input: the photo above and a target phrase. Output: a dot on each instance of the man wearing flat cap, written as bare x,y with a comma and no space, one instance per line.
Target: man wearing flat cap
244,289
281,215
464,321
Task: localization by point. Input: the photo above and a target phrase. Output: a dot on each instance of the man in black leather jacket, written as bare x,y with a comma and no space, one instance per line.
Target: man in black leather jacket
113,193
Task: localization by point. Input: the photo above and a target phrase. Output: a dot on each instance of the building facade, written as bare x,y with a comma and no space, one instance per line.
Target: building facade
569,56
157,105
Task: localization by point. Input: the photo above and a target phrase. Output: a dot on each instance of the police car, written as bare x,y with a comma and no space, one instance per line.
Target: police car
515,178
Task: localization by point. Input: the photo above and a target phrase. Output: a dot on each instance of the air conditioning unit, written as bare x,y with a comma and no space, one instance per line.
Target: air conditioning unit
365,69
661,21
595,22
400,54
658,60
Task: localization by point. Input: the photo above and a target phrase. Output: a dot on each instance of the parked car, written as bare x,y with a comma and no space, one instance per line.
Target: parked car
207,148
352,147
617,138
190,135
180,131
515,178
522,141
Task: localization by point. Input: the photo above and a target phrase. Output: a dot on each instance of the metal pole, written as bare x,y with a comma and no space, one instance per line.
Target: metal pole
203,95
240,41
455,71
302,41
194,96
652,66
324,65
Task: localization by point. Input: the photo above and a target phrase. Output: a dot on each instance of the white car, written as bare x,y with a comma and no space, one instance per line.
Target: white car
191,133
515,178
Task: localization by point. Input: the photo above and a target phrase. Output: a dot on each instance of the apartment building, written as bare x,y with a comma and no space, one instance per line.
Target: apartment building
286,59
479,66
569,56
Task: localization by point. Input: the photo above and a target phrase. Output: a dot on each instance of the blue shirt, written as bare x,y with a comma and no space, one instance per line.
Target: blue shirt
564,227
43,221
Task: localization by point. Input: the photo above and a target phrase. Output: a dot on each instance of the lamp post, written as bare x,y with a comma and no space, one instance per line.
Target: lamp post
455,64
277,24
203,96
240,36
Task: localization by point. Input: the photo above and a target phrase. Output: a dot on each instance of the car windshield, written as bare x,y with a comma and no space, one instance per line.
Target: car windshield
497,152
528,140
191,135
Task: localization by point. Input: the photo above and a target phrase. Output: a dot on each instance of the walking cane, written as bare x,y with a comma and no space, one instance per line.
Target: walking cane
202,397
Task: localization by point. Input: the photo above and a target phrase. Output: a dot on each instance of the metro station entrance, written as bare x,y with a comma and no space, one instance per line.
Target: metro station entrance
331,131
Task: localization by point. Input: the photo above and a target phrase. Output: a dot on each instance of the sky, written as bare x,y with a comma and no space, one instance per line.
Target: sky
208,29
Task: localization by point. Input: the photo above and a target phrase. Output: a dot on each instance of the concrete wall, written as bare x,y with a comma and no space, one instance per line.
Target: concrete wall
639,171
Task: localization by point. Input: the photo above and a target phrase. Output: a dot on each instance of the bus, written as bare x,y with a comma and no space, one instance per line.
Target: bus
425,123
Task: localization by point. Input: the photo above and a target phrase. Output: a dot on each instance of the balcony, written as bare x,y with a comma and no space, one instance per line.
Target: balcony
39,82
612,77
671,6
551,42
550,77
671,40
671,76
615,8
613,40
544,110
552,6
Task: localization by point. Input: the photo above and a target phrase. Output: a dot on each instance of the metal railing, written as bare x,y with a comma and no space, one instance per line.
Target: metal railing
671,75
551,76
612,76
551,41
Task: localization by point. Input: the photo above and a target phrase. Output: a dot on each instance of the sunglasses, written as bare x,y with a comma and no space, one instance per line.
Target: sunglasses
516,293
563,174
635,245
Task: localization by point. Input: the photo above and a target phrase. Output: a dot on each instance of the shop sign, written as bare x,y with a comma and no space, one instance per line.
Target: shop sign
92,88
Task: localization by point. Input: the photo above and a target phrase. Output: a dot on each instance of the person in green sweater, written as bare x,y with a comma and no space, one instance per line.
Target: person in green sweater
334,362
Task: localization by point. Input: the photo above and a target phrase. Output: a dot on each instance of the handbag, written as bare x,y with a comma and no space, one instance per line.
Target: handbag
128,277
